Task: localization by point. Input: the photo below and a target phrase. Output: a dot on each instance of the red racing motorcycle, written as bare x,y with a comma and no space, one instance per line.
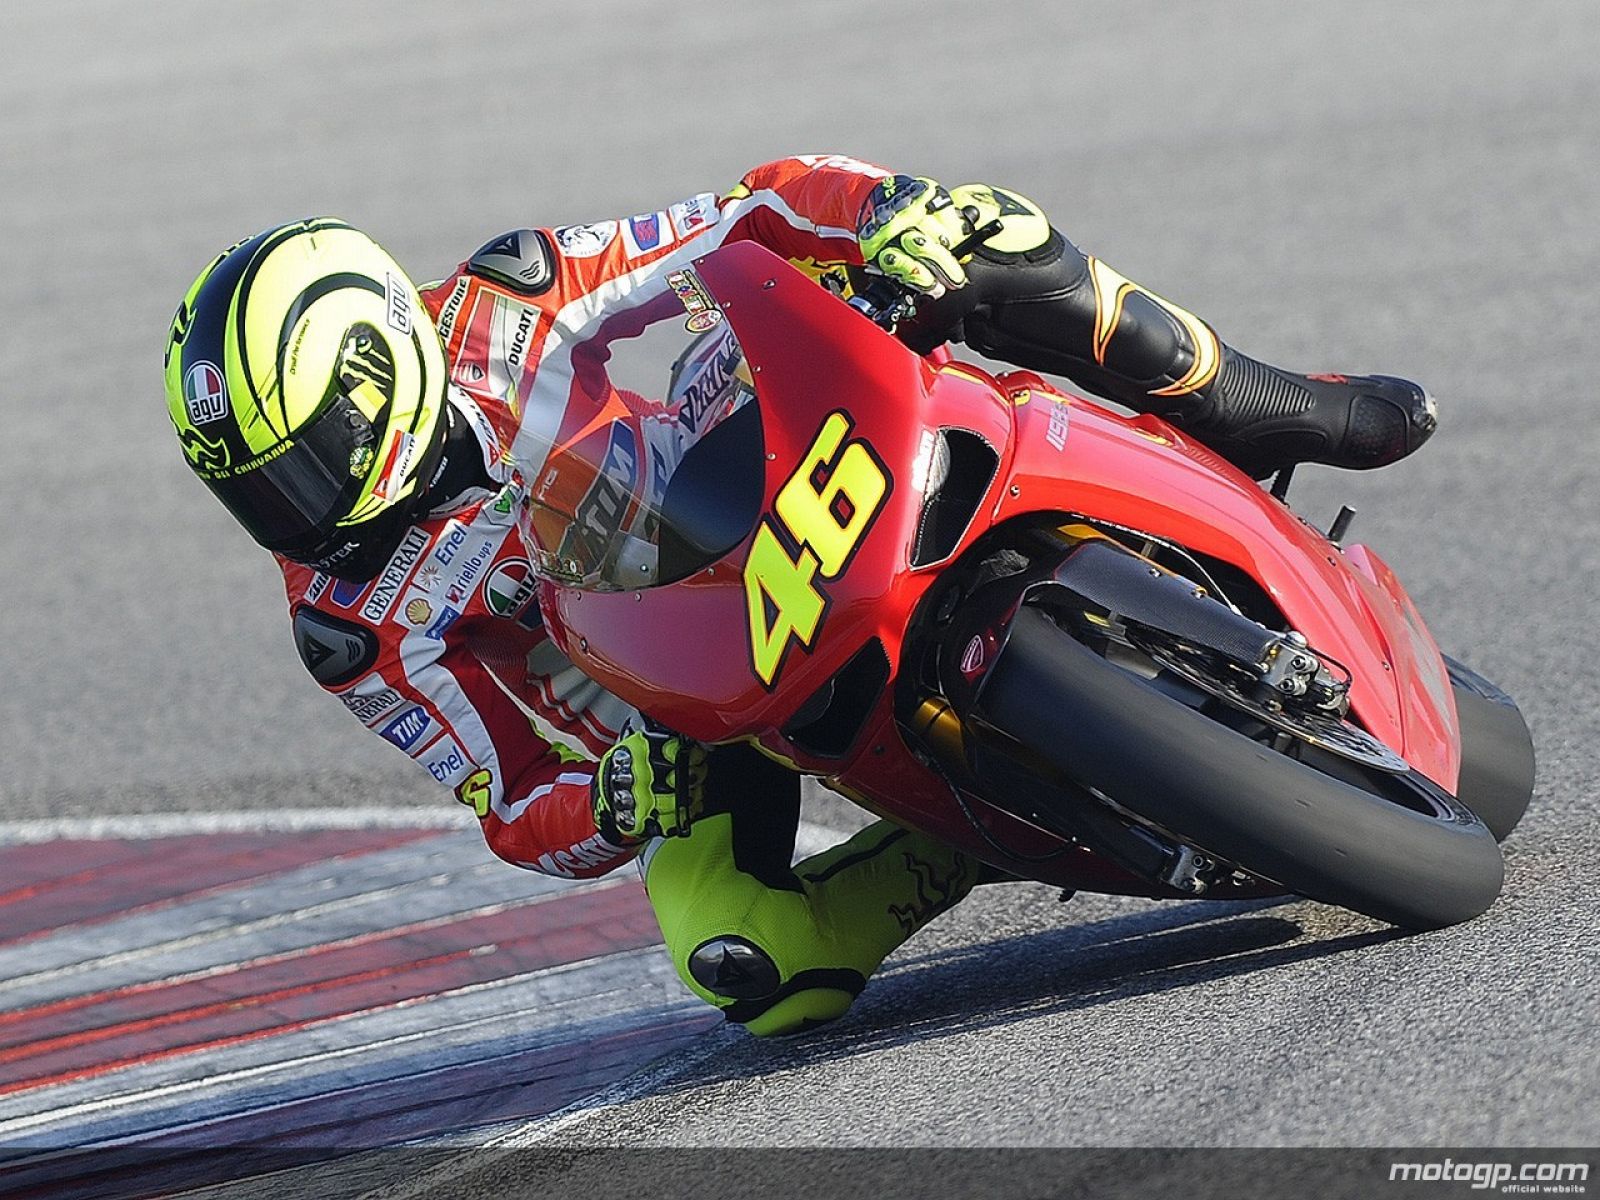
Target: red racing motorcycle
1078,645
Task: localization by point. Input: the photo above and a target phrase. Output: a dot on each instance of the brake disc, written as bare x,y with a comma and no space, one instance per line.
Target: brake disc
1322,730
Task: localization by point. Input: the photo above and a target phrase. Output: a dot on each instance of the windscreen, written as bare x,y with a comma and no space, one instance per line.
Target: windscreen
658,469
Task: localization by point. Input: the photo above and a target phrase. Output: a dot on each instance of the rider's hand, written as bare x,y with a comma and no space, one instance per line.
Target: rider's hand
636,786
906,229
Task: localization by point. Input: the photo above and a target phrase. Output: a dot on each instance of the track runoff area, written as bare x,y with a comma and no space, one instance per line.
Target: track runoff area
301,986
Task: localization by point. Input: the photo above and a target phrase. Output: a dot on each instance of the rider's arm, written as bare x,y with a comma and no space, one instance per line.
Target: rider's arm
532,799
434,700
804,207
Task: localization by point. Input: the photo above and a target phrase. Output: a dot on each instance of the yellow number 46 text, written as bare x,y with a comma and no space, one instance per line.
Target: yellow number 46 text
820,516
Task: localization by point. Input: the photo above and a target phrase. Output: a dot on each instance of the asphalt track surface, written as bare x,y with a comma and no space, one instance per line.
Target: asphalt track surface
1348,186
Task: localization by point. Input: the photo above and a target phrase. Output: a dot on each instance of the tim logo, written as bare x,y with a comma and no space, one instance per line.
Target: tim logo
407,729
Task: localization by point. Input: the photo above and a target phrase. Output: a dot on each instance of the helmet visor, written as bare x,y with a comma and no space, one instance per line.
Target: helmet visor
301,491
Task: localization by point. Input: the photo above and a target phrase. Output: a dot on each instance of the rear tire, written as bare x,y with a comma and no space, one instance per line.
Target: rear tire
1497,762
1236,798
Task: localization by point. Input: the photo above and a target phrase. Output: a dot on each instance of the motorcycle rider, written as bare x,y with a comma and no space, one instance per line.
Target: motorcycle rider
397,451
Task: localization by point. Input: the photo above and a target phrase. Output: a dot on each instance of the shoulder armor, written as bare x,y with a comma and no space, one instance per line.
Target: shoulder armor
335,651
521,260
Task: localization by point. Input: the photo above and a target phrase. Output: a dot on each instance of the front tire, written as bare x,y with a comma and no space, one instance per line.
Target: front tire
1361,846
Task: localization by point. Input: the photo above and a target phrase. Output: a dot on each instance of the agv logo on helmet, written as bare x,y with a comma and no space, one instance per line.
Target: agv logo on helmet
205,393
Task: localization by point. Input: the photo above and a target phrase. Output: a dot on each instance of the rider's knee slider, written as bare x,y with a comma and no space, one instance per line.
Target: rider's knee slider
736,969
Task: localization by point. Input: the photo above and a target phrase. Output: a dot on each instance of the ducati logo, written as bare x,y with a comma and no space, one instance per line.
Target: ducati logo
972,656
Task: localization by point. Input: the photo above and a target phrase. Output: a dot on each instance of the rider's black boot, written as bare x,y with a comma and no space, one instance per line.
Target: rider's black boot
1262,418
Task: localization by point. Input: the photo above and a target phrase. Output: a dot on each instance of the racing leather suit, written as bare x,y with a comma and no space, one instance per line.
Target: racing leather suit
445,655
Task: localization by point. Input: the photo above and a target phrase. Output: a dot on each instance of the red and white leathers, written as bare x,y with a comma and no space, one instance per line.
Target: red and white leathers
444,654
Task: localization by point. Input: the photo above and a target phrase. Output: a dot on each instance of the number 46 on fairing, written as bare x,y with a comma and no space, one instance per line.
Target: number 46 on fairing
819,518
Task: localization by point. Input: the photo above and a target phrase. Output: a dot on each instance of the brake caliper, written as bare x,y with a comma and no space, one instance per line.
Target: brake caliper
1291,672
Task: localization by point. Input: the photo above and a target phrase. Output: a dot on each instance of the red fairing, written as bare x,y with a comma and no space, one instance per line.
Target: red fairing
707,686
1186,492
1427,697
686,649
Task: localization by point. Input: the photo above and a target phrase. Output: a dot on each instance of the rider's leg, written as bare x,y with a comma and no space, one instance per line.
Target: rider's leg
782,949
1037,301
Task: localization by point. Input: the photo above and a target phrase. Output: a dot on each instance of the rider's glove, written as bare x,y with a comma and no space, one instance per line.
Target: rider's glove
906,228
650,784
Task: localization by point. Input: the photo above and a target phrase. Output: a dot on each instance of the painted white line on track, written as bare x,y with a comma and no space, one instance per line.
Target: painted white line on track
536,1132
149,1099
578,973
139,826
480,1022
161,958
322,944
620,1022
811,838
299,909
524,1135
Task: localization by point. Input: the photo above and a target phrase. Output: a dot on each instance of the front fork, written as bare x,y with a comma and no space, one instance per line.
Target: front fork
962,631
